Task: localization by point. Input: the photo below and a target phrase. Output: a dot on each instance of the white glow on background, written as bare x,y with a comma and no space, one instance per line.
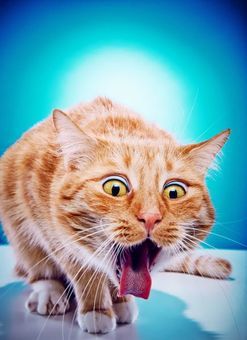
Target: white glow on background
129,77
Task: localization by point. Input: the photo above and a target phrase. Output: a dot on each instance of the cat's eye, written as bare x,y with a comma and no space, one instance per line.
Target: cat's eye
115,186
174,190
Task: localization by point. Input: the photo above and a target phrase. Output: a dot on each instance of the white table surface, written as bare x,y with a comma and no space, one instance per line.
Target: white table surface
180,306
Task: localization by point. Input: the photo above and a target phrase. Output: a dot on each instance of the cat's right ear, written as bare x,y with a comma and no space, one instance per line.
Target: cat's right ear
75,145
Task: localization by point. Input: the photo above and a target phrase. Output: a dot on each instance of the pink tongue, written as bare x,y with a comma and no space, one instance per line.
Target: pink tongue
135,278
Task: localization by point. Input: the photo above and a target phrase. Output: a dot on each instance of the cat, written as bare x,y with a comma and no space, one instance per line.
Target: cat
95,199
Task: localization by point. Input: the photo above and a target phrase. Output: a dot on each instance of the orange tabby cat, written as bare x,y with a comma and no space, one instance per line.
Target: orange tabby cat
98,198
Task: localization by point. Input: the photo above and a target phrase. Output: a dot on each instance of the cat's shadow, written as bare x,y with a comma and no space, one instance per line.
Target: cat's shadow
161,317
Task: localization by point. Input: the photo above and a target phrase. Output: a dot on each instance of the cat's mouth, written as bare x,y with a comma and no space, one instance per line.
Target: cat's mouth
133,269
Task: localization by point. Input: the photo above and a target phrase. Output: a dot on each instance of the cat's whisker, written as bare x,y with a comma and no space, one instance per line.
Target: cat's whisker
63,246
222,236
78,301
190,242
201,241
108,241
216,222
69,285
74,235
115,251
175,248
90,280
104,278
74,314
73,319
244,219
113,259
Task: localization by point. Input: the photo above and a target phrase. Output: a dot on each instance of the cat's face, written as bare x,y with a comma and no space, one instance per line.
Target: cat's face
137,199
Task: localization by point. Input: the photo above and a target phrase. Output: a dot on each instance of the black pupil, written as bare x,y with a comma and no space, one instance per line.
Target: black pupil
115,190
173,193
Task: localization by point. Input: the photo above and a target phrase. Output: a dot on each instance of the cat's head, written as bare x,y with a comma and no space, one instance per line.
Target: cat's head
131,196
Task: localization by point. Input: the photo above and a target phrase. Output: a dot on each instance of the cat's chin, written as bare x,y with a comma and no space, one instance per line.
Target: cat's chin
133,268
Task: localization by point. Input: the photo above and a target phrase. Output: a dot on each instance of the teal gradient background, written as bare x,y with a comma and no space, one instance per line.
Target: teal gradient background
179,63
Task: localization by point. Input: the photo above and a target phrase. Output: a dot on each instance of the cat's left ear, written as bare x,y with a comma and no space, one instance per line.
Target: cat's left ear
202,155
75,145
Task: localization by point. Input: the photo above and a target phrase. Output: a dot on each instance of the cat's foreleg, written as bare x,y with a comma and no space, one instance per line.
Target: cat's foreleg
125,307
94,303
202,265
48,296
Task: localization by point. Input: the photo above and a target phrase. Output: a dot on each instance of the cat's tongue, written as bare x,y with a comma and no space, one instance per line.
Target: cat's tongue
135,278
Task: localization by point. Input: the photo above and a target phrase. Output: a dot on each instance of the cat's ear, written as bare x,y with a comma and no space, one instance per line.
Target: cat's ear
202,155
75,145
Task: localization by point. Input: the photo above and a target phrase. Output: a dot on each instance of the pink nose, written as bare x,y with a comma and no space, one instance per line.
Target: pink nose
149,219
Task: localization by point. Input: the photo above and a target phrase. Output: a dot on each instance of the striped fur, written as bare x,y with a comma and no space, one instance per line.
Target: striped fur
62,225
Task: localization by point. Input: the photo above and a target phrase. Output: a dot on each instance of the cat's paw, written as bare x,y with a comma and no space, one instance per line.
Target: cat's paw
96,322
126,312
221,268
214,267
47,298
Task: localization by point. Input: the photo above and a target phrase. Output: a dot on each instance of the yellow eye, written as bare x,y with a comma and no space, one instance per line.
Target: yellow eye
174,190
115,187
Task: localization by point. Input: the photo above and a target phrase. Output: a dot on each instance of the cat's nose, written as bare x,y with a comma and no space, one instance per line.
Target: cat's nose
149,219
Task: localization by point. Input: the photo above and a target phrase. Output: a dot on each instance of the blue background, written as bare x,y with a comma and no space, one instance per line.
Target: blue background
199,46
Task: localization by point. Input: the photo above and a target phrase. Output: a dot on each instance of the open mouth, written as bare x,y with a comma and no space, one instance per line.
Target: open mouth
133,269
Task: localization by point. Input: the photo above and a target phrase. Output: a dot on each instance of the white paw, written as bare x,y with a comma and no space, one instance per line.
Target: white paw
220,268
96,322
126,312
47,297
214,267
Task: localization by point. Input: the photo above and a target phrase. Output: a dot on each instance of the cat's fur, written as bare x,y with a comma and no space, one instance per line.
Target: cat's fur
58,219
